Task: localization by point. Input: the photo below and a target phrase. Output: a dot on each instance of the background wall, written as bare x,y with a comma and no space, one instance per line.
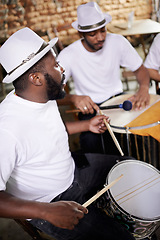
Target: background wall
47,14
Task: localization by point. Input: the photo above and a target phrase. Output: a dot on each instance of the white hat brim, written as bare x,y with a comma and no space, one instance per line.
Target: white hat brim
107,17
23,68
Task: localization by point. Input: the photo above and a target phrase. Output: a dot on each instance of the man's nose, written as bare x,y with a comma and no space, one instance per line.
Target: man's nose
100,36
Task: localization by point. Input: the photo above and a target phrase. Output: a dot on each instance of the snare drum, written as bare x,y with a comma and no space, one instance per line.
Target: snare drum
134,200
141,147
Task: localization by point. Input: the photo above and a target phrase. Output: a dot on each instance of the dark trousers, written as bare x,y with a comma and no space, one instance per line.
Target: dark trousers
89,177
96,143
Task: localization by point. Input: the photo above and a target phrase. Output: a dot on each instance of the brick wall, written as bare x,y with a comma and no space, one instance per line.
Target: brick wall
47,14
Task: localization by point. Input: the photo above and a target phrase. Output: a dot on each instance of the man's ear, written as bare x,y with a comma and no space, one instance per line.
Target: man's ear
36,78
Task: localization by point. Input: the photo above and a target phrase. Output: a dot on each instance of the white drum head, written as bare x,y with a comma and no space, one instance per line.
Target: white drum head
137,193
119,117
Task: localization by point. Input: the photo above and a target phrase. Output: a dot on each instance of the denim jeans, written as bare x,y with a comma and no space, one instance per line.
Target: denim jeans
95,225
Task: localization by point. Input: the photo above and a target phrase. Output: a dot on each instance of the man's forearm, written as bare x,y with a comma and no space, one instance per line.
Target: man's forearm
77,126
67,100
12,207
63,214
154,74
142,76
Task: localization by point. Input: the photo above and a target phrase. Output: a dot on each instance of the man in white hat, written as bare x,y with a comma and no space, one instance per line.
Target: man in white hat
39,178
94,63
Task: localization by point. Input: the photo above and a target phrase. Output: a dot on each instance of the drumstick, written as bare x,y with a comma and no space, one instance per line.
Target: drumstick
112,134
73,111
138,189
92,199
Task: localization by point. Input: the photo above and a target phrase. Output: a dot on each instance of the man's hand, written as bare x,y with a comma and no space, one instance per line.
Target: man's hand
85,104
97,125
140,99
64,214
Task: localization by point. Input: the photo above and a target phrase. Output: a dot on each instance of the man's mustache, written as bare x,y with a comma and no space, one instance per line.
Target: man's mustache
100,42
63,78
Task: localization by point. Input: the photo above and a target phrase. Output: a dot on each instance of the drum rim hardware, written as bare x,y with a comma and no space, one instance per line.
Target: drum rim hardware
138,127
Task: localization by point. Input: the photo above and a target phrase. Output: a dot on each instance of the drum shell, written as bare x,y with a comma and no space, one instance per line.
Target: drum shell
139,228
144,148
128,196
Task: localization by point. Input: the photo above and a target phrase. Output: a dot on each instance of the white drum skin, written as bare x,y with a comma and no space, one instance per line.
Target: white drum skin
135,199
144,148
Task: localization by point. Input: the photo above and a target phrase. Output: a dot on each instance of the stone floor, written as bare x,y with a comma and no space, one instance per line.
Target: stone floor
10,230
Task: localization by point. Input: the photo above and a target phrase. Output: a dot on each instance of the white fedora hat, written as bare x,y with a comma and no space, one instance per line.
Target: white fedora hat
90,18
21,51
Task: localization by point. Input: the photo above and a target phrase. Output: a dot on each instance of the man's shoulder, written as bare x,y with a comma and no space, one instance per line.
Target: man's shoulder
114,36
73,45
157,39
114,40
69,50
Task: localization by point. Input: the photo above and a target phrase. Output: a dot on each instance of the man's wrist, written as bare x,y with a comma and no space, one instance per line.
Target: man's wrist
72,98
144,87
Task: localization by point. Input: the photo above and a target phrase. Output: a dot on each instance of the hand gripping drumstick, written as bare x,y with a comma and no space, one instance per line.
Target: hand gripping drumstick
92,199
112,134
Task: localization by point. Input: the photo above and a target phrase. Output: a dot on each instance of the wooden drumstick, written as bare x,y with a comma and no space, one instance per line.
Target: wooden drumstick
97,195
73,111
112,134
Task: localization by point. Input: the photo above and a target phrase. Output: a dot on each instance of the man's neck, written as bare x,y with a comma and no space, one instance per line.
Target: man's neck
87,47
32,97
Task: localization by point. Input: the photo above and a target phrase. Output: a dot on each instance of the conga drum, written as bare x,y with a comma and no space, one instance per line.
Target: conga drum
134,200
137,131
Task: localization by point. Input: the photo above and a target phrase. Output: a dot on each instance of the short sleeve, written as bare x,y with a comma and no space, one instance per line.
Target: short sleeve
129,57
153,60
7,157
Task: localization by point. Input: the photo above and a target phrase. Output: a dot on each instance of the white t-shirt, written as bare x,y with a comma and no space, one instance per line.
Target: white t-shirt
35,161
153,58
97,74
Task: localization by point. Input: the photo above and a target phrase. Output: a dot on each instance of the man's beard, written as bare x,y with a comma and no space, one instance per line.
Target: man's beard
54,90
92,46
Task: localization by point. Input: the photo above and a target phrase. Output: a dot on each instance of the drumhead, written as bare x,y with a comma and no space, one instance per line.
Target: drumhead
137,193
119,118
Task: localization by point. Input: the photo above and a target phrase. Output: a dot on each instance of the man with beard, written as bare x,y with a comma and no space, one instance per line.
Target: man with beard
94,63
39,178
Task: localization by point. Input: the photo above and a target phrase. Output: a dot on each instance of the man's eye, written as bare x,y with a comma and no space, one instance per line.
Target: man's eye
92,35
